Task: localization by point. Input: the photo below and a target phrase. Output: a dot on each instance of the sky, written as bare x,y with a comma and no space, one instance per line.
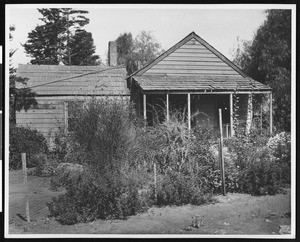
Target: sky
219,25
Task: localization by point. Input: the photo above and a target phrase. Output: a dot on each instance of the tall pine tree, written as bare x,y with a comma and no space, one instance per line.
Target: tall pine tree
82,49
50,43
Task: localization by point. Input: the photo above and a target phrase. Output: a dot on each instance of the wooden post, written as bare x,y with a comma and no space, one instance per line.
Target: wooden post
189,111
221,153
155,188
66,116
249,113
145,110
226,126
271,115
26,186
261,119
168,110
231,115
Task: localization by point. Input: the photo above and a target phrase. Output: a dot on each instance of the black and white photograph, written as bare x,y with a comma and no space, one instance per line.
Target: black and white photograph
150,121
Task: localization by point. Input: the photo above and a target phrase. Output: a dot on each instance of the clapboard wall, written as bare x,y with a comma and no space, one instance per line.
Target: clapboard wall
51,113
192,58
46,117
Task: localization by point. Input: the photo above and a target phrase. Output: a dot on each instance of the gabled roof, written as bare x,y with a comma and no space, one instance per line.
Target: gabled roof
54,80
181,43
198,83
195,66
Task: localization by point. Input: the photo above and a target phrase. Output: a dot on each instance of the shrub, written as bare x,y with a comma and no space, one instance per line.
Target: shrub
109,187
261,175
45,166
25,140
65,173
176,188
60,143
254,171
280,146
90,196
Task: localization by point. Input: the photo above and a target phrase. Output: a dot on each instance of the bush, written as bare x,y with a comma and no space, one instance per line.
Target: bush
176,188
90,196
184,161
25,140
45,166
59,149
254,170
280,146
109,187
262,176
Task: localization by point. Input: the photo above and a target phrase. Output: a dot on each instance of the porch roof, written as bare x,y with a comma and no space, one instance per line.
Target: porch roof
177,83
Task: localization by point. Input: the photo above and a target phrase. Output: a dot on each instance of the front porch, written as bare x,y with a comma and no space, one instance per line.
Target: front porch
201,107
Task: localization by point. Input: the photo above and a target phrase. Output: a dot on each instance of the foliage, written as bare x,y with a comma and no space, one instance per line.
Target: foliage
60,143
124,48
25,140
45,166
268,59
280,146
82,50
118,154
254,169
108,187
261,175
19,98
176,188
184,161
54,41
90,197
137,52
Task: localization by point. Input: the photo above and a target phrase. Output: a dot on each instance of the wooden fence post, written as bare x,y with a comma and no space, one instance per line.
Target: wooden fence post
155,188
26,186
221,153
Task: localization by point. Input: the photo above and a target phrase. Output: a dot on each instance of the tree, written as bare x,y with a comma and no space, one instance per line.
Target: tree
19,98
125,47
50,43
82,49
135,53
268,59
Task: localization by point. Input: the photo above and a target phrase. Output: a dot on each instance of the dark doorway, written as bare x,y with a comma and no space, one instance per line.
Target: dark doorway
223,103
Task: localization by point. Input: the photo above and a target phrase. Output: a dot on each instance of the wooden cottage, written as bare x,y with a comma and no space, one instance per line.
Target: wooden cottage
57,86
196,78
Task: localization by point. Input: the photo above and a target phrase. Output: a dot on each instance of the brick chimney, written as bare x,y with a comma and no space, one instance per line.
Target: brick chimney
112,53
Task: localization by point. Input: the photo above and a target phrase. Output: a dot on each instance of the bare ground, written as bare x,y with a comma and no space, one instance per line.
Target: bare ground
231,214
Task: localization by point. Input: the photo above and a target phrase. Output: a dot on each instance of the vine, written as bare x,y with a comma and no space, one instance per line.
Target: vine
236,100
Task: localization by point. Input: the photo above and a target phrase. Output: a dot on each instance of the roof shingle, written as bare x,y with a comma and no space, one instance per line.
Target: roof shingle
74,80
198,83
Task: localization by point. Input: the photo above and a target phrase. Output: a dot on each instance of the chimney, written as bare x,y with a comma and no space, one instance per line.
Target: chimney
112,53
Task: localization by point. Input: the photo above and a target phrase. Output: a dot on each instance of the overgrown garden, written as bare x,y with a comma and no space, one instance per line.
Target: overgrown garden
127,167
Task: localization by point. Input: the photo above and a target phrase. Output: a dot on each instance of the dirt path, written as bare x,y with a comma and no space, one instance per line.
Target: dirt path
232,214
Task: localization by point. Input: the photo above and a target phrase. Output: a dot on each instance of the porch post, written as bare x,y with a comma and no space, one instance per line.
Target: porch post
271,114
249,113
189,111
168,111
144,107
231,115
